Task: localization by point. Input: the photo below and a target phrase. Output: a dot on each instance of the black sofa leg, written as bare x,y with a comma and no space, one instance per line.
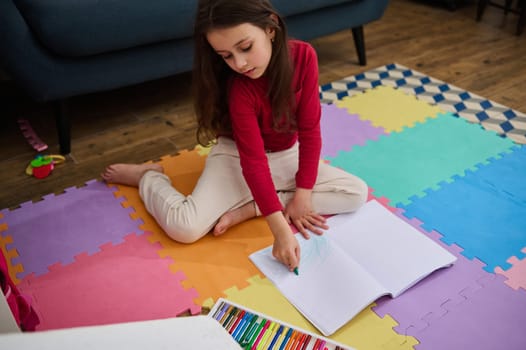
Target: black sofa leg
359,43
522,17
481,7
63,126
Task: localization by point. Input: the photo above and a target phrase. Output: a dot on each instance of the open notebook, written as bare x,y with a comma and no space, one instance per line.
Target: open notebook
361,257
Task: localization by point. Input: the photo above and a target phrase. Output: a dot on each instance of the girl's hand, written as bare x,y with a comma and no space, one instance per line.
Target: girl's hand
286,248
299,212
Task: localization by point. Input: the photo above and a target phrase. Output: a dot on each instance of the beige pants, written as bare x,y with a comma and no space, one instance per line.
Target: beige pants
221,188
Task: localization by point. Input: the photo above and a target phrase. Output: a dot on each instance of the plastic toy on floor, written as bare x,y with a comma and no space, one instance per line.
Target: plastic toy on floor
42,166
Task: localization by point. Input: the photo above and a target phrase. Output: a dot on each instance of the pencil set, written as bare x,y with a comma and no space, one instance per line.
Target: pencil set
256,331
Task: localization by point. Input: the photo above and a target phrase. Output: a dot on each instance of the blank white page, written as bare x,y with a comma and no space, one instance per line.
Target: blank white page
393,251
331,287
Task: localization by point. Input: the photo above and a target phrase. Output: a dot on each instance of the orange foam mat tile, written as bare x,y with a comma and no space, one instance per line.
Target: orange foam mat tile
214,264
183,169
9,255
211,264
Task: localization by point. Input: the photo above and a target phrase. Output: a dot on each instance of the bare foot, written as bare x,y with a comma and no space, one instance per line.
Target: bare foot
128,174
234,217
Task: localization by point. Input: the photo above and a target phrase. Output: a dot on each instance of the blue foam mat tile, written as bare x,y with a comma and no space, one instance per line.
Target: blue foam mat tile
484,211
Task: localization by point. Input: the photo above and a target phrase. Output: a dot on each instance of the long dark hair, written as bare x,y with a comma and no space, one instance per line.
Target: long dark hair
211,73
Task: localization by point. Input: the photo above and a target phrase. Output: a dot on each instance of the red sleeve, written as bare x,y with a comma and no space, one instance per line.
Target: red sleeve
308,114
245,105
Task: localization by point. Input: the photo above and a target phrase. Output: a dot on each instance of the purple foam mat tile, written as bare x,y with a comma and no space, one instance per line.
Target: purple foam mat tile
491,317
424,301
341,130
62,226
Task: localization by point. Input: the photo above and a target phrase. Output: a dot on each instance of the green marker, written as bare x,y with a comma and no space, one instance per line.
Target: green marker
296,271
245,339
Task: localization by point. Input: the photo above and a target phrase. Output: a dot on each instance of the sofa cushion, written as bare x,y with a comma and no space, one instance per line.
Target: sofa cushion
293,7
89,27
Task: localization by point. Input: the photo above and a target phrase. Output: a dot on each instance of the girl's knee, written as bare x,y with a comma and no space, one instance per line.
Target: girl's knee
185,235
362,193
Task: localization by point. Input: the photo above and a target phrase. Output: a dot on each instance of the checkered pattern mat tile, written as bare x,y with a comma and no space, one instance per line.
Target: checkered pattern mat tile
474,108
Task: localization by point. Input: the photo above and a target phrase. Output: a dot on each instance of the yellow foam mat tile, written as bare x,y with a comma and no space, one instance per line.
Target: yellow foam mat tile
366,331
389,108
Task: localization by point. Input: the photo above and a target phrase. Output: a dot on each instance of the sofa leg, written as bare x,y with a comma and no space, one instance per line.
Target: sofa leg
522,17
359,43
481,6
63,126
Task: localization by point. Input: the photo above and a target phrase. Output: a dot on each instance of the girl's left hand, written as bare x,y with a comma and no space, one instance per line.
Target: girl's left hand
299,212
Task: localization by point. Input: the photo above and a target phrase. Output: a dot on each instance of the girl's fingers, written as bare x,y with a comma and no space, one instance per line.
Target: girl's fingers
300,225
318,220
314,225
294,259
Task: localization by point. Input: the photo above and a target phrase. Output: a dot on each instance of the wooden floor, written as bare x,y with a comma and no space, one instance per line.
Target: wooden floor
148,121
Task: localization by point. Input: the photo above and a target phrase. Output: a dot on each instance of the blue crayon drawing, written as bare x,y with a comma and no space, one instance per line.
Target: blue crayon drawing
313,250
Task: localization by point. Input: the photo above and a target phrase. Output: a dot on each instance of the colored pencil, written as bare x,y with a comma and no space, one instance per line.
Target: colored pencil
268,333
219,309
299,340
281,338
254,333
246,335
233,319
276,337
259,333
237,320
286,339
222,312
230,315
306,342
292,339
225,314
242,325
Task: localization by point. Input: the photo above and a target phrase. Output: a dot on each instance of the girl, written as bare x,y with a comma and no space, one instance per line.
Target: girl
256,94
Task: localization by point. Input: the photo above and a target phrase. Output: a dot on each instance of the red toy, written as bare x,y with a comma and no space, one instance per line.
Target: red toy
41,166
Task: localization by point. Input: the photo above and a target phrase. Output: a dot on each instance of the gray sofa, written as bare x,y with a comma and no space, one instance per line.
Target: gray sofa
56,49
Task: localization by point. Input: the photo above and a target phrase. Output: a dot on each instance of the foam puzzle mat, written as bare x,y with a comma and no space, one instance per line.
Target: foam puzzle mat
448,162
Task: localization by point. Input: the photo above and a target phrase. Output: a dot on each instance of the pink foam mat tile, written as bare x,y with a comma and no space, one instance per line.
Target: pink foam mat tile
121,283
516,275
59,227
382,200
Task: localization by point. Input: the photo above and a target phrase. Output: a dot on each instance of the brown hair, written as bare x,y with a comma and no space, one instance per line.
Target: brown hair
211,74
